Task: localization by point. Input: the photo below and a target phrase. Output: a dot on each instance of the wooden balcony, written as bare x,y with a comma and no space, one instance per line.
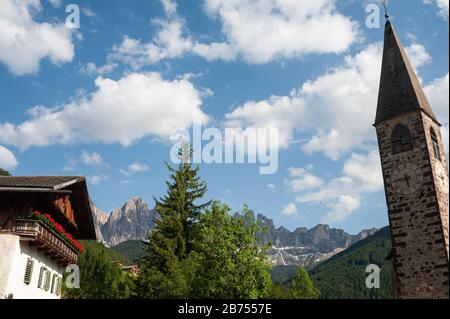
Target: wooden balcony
46,240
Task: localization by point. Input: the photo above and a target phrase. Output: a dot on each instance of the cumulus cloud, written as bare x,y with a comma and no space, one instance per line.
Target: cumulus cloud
123,111
256,31
438,96
7,159
361,174
418,55
56,3
25,42
365,170
135,168
94,70
301,179
341,209
97,179
91,158
334,111
290,210
443,6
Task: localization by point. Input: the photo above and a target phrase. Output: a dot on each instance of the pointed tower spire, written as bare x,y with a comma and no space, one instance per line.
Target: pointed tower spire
400,90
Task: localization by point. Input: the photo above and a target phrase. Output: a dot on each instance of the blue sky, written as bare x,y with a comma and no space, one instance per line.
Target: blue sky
101,100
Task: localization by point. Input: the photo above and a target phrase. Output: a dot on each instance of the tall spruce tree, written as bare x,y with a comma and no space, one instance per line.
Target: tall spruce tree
170,243
178,211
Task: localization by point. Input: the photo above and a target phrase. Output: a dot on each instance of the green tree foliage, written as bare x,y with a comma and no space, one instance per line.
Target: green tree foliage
100,276
302,287
171,240
132,250
231,263
4,173
164,266
343,276
282,274
199,250
279,291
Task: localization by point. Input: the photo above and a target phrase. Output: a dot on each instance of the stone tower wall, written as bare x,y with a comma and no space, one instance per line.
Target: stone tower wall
419,222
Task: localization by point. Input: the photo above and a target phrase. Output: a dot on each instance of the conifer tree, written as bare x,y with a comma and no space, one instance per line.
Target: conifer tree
178,210
302,287
170,243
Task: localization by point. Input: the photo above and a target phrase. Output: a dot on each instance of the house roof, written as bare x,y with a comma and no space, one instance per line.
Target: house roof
400,90
43,182
75,185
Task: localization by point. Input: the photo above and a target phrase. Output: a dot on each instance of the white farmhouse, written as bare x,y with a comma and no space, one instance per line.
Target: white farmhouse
41,221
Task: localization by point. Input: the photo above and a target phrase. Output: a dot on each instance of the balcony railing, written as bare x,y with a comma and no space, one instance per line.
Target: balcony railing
46,240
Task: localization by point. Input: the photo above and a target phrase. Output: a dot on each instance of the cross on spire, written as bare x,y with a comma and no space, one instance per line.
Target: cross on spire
386,12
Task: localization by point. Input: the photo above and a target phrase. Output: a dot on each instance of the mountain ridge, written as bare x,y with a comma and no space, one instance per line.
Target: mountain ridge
300,247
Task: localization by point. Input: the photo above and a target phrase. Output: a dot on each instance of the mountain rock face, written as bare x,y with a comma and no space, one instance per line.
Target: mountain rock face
100,218
305,247
131,222
301,247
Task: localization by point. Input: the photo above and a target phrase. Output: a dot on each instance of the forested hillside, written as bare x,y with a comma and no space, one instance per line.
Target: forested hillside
344,275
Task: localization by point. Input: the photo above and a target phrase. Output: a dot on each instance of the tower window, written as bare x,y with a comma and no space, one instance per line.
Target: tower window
401,139
435,143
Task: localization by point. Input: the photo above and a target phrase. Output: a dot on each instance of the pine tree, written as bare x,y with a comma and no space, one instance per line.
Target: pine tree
170,243
302,287
178,211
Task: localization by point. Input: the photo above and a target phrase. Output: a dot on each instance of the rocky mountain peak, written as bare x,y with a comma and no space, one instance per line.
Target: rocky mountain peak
130,222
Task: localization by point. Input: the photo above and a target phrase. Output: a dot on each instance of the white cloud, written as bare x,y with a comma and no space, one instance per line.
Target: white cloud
418,55
264,30
25,42
135,168
7,159
365,170
443,6
334,112
290,210
256,31
122,111
97,179
169,43
341,209
302,180
93,70
56,3
89,13
91,158
343,195
438,96
170,7
271,187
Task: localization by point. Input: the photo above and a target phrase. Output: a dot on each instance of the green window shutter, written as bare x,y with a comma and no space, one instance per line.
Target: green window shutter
41,277
28,271
58,287
47,280
54,284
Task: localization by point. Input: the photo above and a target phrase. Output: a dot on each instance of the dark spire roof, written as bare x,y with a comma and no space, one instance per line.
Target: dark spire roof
400,90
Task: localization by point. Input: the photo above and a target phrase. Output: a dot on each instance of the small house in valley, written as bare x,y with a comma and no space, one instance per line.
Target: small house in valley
42,220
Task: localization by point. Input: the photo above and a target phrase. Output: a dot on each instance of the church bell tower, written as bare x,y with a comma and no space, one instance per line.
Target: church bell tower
415,176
